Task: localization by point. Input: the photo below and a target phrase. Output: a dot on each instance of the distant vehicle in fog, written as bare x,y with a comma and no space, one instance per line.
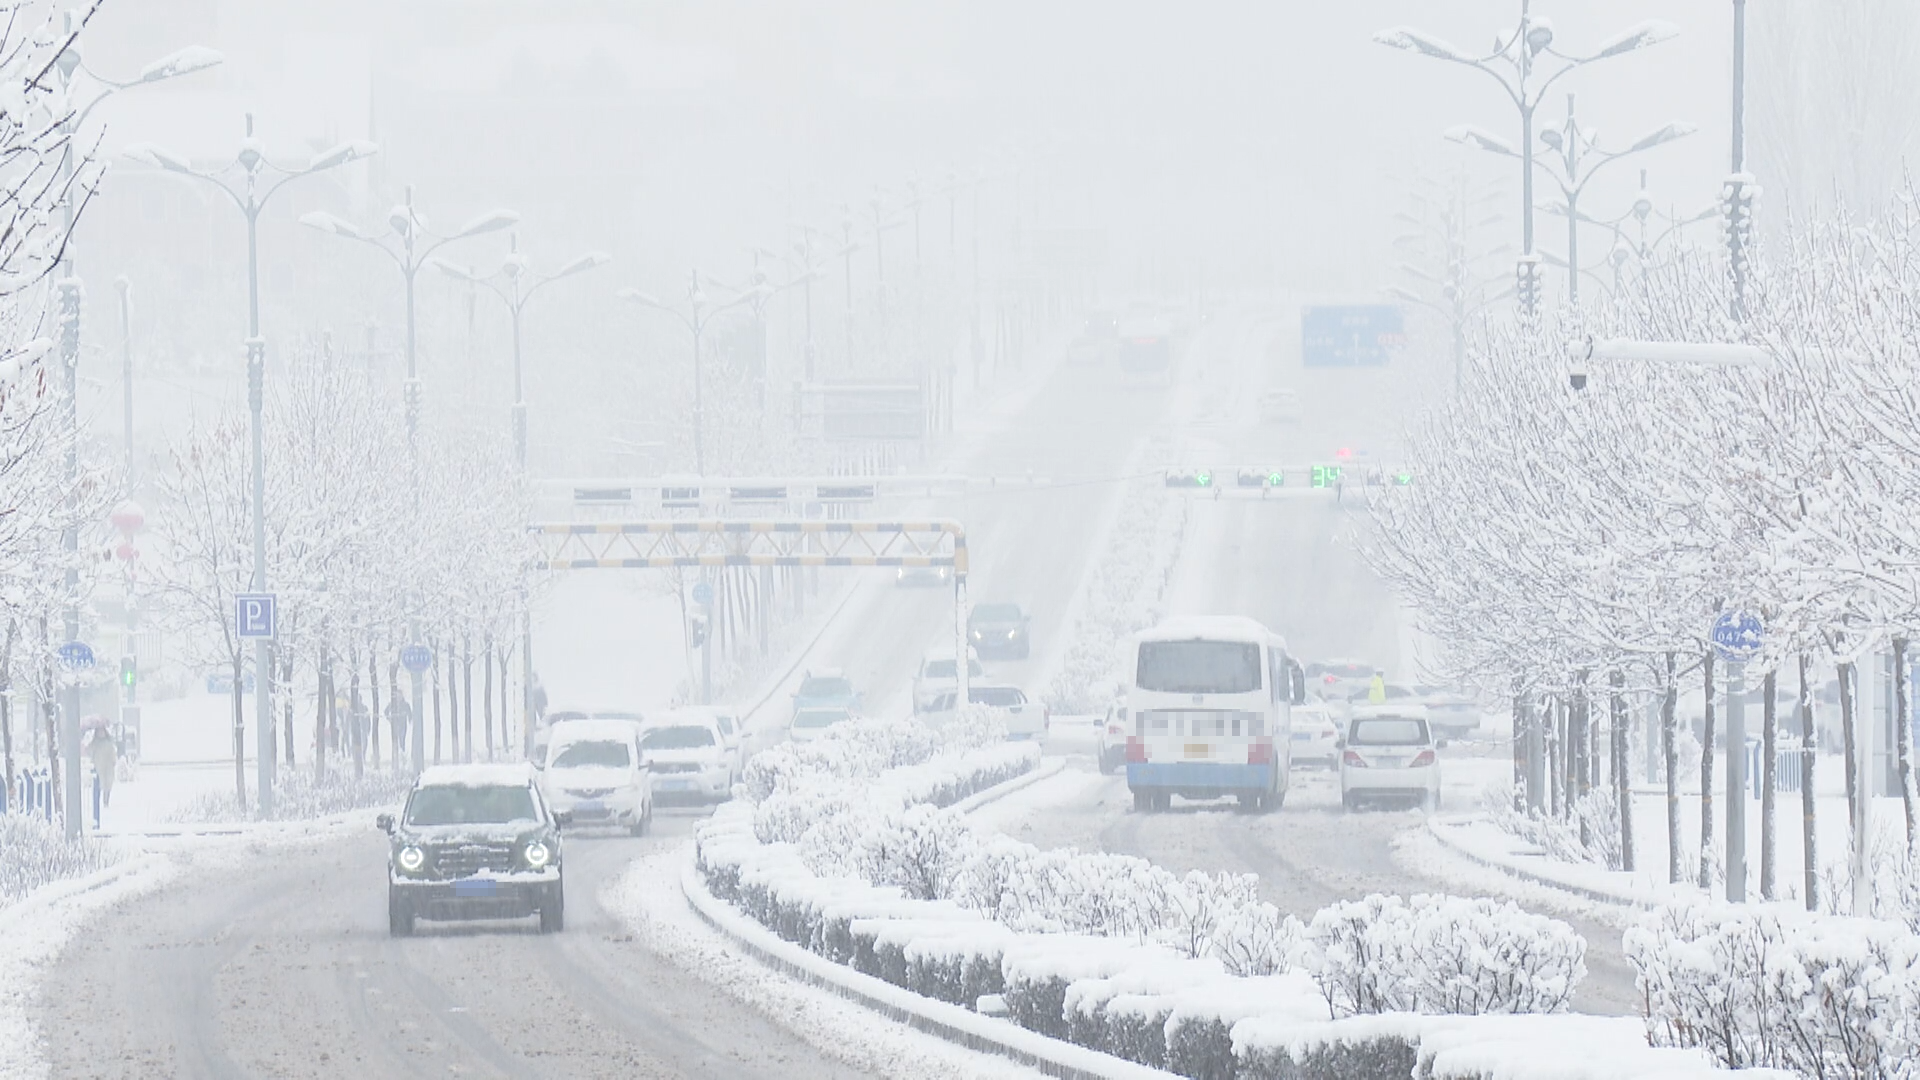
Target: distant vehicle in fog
1096,341
1334,679
909,576
595,770
812,723
1145,350
689,759
1280,406
1112,752
827,688
999,630
939,673
1024,719
569,714
1316,734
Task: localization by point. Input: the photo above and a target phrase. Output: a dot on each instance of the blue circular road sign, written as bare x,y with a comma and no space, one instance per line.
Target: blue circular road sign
416,658
702,593
76,655
1736,635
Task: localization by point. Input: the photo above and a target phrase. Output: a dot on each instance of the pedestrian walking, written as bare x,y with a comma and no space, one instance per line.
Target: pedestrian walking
399,720
105,754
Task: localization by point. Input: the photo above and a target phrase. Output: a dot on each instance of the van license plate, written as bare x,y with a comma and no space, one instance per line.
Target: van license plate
1198,750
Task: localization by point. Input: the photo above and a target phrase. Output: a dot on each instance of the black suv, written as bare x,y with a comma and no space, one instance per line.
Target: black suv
474,842
998,630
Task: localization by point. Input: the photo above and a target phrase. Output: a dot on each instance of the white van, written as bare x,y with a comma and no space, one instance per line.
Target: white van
938,674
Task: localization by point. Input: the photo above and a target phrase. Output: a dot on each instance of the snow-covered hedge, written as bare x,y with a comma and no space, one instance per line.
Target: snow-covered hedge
1822,996
1194,974
1444,955
34,852
1125,595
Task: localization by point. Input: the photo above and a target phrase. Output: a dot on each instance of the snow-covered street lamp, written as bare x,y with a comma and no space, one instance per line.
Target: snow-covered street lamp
82,89
251,196
1575,159
698,314
1515,62
514,283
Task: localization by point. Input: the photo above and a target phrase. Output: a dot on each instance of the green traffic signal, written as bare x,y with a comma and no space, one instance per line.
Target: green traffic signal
1275,479
1203,478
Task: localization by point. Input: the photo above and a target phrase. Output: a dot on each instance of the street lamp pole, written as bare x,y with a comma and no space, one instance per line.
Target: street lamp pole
696,323
126,365
518,288
408,229
251,200
68,295
1520,52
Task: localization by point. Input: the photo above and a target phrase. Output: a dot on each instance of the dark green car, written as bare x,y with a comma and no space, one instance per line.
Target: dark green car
474,842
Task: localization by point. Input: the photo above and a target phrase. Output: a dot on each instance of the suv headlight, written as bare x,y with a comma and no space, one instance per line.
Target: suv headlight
411,859
538,854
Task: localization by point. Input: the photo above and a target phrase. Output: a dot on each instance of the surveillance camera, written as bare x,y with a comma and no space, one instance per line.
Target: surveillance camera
1577,380
1579,355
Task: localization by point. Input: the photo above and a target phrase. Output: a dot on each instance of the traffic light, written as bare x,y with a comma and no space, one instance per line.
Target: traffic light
1326,476
1189,478
697,631
1526,284
1260,478
129,671
1403,479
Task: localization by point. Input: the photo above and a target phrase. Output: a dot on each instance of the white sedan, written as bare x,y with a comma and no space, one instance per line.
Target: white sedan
594,770
1316,736
1389,756
688,760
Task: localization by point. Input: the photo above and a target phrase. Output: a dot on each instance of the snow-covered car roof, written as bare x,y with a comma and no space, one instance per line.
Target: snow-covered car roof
476,775
592,731
1210,627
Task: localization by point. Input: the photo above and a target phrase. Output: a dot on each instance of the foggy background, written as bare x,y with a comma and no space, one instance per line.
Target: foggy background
1208,148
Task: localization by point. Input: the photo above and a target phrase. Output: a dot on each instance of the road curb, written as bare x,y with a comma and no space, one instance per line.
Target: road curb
1049,766
962,1027
1438,829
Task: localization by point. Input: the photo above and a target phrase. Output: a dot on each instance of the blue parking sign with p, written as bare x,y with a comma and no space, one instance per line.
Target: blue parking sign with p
253,615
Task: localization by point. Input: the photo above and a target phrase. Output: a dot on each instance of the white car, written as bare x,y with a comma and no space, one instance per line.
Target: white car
1280,406
1113,738
596,771
1025,719
560,717
939,674
724,723
1316,735
811,723
688,760
1389,755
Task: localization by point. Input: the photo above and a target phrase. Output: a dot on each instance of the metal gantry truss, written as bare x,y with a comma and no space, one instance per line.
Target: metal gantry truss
642,545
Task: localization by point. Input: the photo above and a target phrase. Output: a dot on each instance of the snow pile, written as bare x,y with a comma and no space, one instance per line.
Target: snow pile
1442,954
297,796
1776,988
1126,595
34,851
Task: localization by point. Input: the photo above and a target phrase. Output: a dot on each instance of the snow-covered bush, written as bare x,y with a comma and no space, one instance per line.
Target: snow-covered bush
1589,834
34,852
1439,954
1256,939
1769,987
297,796
1075,892
923,851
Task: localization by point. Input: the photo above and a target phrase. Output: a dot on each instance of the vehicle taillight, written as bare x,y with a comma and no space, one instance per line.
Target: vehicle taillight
1423,758
1136,750
1260,752
1353,759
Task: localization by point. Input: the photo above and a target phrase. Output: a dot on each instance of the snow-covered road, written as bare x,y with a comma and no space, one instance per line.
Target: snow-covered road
282,967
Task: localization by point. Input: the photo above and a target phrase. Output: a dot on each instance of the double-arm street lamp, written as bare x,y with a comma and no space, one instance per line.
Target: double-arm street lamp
515,284
698,314
82,89
258,180
1574,159
409,243
1516,63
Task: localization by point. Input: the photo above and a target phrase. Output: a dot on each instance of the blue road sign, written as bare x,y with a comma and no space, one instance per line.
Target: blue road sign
702,593
1736,636
253,615
1360,336
416,658
76,656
